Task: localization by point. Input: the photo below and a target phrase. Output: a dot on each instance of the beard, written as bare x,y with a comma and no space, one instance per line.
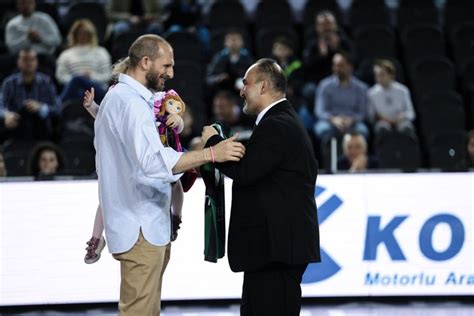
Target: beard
154,81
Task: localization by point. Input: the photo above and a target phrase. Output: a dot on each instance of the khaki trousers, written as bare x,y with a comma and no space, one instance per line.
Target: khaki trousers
141,270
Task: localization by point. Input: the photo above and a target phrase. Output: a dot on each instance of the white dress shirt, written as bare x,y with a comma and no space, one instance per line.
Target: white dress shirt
134,168
265,110
391,102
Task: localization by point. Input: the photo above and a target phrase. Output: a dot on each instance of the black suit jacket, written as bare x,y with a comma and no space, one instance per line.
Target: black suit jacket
273,214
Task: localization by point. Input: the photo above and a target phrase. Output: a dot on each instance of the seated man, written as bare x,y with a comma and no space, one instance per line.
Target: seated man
341,102
355,158
389,102
29,100
32,29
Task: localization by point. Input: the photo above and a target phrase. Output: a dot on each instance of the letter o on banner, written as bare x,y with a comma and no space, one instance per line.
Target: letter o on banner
457,237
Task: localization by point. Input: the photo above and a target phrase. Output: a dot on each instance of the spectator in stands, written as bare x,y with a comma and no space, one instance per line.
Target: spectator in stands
389,102
355,158
185,15
318,54
470,148
84,64
32,29
228,66
29,100
3,169
127,15
46,161
225,109
341,102
284,54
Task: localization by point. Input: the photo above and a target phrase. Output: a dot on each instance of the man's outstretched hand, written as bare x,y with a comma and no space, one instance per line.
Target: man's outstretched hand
229,150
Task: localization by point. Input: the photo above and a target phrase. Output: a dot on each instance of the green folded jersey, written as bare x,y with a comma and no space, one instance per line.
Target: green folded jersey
214,208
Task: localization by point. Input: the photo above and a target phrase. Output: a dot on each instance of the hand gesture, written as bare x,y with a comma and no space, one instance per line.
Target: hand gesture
11,119
338,121
229,150
88,98
32,106
359,163
34,35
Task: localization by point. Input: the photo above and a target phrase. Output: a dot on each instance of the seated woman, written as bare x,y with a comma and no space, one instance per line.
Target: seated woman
83,64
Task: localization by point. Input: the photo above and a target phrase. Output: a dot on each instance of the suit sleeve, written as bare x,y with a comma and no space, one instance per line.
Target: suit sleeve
264,153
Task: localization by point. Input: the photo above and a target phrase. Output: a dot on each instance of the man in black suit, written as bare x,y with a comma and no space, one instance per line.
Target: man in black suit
273,232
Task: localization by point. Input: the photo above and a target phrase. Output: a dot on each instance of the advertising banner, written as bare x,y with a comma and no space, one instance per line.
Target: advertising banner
381,235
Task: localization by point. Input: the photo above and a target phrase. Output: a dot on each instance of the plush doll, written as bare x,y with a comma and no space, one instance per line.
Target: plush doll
168,103
165,104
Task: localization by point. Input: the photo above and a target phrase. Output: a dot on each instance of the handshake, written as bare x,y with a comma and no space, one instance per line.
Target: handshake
226,150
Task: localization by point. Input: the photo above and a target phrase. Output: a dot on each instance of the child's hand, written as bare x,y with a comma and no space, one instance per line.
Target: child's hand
88,98
174,121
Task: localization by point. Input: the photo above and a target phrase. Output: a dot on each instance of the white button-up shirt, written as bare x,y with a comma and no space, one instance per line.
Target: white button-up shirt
134,168
265,110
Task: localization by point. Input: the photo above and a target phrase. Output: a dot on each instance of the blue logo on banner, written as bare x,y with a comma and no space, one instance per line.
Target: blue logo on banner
377,235
327,267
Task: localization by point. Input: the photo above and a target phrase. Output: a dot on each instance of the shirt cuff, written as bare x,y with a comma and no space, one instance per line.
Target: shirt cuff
43,111
171,157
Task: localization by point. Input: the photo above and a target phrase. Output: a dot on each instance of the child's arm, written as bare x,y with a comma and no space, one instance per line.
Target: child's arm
175,121
89,103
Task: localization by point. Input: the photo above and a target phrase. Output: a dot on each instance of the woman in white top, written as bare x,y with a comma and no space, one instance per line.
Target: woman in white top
83,64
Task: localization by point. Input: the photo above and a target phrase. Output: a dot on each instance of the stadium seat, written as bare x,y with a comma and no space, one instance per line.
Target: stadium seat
416,12
186,46
375,42
421,40
364,13
447,150
225,14
398,151
462,42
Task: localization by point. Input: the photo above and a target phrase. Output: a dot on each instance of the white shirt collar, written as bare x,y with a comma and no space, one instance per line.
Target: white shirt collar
137,86
265,110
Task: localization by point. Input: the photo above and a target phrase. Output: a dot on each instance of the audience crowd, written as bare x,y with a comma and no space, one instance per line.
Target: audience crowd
354,96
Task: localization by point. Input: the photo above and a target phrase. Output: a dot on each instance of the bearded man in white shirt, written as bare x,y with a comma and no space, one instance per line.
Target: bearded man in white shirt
136,171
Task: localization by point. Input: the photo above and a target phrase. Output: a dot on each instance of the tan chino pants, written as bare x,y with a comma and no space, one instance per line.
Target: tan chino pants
141,270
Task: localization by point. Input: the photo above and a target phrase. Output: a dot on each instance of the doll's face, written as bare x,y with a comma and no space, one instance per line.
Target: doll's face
174,106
